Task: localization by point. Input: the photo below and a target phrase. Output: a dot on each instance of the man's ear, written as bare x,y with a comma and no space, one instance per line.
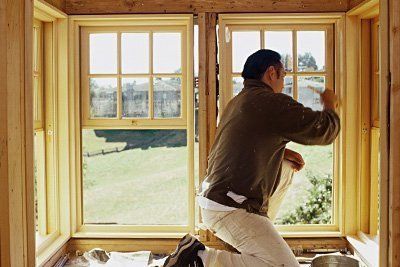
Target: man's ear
270,72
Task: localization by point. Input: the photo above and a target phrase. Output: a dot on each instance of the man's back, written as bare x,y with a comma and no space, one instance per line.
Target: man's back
248,150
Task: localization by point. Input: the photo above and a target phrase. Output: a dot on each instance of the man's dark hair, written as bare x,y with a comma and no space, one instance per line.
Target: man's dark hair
258,62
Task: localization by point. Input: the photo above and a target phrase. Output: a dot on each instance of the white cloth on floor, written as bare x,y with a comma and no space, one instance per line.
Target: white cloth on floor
101,258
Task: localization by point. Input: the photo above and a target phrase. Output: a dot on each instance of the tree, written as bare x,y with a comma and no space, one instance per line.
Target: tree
287,62
307,62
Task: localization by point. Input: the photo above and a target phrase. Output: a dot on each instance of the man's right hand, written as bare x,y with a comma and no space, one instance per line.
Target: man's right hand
329,99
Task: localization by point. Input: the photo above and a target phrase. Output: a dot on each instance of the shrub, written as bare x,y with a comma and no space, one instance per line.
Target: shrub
317,208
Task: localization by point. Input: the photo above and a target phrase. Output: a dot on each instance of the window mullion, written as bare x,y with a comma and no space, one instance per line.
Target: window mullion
119,89
151,85
294,47
262,41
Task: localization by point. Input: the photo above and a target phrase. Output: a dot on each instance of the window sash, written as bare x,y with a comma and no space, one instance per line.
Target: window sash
227,93
132,122
38,74
81,27
260,22
44,125
375,131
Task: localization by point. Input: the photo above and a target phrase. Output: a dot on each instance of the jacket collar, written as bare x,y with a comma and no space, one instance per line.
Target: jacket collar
252,83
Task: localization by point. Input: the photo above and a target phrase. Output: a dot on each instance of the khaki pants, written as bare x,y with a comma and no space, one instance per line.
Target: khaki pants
254,236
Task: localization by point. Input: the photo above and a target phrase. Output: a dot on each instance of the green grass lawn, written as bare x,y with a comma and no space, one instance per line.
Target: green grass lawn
150,185
136,186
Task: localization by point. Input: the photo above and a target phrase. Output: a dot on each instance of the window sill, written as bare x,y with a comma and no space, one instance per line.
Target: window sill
44,254
125,235
365,247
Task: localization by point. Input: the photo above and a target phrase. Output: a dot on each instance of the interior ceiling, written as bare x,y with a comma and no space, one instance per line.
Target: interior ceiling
75,7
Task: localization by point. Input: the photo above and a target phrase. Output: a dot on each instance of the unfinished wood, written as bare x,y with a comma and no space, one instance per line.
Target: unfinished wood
124,245
57,255
354,3
17,233
384,134
60,4
169,245
296,244
374,188
332,25
45,11
364,106
198,6
81,26
56,130
207,86
150,122
394,151
365,9
375,72
352,121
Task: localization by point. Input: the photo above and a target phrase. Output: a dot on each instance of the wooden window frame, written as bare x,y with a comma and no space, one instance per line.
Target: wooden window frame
362,44
154,23
334,25
54,193
367,41
39,132
132,123
227,92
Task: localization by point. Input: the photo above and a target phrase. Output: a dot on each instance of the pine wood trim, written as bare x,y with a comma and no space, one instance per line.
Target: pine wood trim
169,245
198,6
394,133
207,86
385,55
17,233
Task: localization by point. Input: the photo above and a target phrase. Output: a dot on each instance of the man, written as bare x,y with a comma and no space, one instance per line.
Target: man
245,168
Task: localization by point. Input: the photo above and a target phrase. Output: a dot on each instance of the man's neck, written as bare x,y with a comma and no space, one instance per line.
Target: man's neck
268,83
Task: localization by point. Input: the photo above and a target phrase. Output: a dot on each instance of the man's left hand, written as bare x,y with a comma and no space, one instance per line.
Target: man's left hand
295,159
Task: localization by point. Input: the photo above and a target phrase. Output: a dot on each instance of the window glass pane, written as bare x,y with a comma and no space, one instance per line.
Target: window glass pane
196,50
237,85
243,45
310,88
281,42
103,53
167,52
136,177
39,183
36,99
103,97
135,97
167,97
135,52
288,89
311,50
35,48
309,199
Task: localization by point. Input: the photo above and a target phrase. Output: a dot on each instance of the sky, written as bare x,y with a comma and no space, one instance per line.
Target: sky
135,49
246,43
134,53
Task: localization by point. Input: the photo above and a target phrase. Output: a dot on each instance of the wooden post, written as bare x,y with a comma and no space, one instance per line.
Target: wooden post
207,86
17,232
384,135
394,134
207,93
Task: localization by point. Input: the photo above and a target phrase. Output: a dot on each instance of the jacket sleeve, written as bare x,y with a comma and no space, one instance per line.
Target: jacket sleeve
303,125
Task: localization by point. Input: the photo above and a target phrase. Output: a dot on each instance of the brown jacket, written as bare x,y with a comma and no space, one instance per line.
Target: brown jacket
247,154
